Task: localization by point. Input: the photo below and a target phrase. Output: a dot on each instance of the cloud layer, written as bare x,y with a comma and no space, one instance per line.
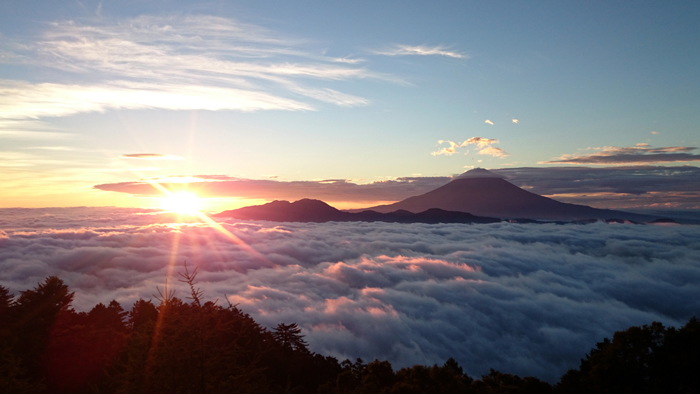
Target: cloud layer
527,299
633,155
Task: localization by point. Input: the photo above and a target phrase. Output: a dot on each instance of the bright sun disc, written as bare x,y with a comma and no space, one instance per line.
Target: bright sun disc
182,202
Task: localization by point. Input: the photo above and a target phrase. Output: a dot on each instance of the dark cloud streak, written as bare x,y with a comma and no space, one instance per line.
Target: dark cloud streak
639,154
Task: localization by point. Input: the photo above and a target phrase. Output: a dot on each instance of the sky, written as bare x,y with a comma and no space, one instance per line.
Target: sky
96,97
525,299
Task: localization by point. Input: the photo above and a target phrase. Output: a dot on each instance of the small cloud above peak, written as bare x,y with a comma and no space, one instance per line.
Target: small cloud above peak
420,50
483,146
151,156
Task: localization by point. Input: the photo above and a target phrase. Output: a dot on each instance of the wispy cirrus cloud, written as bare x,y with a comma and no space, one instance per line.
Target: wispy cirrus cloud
151,156
191,62
420,50
22,100
633,155
483,146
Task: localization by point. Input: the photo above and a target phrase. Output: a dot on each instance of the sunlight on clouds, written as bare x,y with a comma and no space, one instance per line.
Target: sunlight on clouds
515,121
151,156
493,151
488,122
25,100
176,63
420,50
483,146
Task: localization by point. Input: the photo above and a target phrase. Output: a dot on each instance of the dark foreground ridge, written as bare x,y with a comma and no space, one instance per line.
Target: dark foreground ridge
308,210
201,347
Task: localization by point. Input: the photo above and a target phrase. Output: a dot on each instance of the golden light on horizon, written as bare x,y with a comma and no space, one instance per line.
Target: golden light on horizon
185,203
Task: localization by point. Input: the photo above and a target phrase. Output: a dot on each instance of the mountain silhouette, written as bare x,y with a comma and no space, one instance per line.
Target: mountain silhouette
483,193
308,210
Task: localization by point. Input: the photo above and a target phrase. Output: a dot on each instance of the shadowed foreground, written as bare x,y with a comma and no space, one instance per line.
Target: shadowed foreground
196,347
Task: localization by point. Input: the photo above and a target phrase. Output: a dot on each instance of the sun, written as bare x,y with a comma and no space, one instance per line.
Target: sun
185,203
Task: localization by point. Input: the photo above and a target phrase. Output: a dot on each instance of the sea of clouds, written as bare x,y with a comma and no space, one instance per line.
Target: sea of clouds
529,299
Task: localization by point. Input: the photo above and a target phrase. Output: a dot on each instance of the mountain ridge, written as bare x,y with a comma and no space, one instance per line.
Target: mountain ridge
309,210
483,193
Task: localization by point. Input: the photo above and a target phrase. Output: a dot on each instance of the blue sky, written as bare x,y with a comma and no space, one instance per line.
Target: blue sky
364,91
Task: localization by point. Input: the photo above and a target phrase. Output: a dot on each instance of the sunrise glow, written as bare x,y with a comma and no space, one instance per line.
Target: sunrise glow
184,203
349,197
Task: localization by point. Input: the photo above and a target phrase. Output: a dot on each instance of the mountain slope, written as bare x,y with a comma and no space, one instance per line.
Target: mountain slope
486,194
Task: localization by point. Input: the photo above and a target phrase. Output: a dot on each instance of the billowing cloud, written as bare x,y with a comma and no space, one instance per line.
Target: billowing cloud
488,122
420,50
483,146
151,156
526,299
639,154
177,63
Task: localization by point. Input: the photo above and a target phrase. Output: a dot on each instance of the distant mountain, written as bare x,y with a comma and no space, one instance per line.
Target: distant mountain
483,193
308,210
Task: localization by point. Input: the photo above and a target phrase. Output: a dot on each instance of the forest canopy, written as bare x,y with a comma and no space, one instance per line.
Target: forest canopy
174,346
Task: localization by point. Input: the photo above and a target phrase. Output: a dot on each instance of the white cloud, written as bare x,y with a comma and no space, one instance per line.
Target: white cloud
420,50
483,146
20,100
493,151
526,299
178,62
515,120
488,122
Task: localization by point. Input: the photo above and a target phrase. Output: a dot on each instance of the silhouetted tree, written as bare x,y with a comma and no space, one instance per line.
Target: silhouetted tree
31,320
289,336
503,383
141,313
5,302
647,359
446,379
